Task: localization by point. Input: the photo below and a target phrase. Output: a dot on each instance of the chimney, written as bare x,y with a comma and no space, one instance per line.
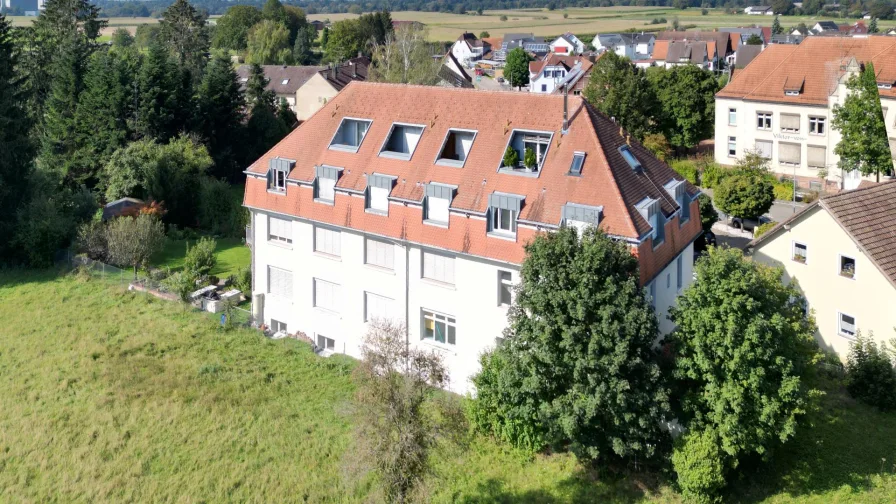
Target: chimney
565,109
354,71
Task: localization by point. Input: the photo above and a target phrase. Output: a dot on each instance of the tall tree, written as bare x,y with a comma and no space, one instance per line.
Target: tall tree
345,40
274,11
256,88
16,147
620,90
776,27
183,30
864,144
686,99
406,58
158,84
872,28
232,29
301,51
220,116
579,313
269,44
516,69
132,241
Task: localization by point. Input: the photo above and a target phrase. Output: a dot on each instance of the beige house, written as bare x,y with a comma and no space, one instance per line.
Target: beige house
327,83
842,250
283,80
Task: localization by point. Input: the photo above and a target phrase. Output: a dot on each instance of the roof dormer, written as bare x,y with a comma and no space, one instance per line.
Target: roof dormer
278,171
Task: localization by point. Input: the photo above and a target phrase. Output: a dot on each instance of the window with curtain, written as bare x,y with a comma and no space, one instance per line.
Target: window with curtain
789,153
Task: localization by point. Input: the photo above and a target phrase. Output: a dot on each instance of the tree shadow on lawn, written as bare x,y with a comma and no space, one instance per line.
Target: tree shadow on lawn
15,277
842,444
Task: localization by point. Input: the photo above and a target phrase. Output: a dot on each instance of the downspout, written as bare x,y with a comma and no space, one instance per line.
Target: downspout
407,290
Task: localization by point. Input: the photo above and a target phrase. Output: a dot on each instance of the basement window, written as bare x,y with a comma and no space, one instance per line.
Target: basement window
350,134
402,141
456,147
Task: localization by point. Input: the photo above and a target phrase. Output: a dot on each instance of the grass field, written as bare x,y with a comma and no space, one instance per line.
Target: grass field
232,254
109,396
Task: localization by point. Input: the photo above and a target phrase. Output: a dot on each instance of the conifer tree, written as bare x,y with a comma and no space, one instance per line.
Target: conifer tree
776,27
183,30
220,116
157,85
58,139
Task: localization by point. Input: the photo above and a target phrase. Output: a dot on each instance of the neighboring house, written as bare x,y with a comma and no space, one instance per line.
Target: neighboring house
531,44
318,25
326,83
468,49
722,40
123,206
670,53
759,10
823,27
745,55
787,39
393,202
634,46
782,105
452,73
544,75
283,80
740,36
567,44
842,251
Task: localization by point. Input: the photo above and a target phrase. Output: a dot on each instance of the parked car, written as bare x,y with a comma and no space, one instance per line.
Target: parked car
748,224
500,80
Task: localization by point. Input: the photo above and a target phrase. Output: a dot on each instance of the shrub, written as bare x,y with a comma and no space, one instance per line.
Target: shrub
511,157
242,280
92,240
699,463
686,169
783,191
658,145
200,259
182,284
529,159
870,376
503,18
712,175
747,196
763,228
708,213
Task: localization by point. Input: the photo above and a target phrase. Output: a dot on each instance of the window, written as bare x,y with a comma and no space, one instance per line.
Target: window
816,156
847,267
325,183
279,282
764,148
578,159
668,280
378,189
278,326
278,170
284,82
544,88
326,295
816,125
327,241
505,288
350,134
439,328
791,93
732,117
456,147
764,120
379,253
732,146
438,201
651,294
378,307
679,268
438,267
630,158
325,343
581,216
790,123
846,325
402,141
800,252
521,141
816,186
279,230
789,153
504,209
652,212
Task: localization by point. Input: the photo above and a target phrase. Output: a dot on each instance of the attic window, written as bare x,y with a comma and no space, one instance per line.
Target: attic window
791,93
884,85
244,79
378,189
278,170
521,142
652,212
578,159
350,134
581,217
630,158
456,147
438,201
325,183
504,210
284,82
402,141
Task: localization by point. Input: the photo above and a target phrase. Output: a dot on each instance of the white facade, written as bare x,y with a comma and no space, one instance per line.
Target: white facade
563,46
669,284
464,54
547,79
797,138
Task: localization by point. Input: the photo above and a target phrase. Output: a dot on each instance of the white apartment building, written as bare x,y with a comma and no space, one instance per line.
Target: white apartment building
782,105
545,75
468,49
567,44
394,201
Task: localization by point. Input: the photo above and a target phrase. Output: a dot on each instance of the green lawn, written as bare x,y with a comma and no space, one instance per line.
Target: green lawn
109,396
232,254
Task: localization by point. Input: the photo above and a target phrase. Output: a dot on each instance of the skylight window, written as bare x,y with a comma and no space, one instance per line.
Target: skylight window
526,151
456,147
578,159
350,134
402,141
630,158
791,93
284,82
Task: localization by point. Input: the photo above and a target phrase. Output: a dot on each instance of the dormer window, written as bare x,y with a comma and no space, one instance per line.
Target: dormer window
884,85
402,141
325,183
437,202
350,134
278,170
791,93
526,151
456,147
630,158
378,189
678,190
581,217
578,159
652,212
504,210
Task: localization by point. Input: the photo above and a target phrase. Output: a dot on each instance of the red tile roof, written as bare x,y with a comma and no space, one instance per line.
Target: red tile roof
554,59
606,179
818,62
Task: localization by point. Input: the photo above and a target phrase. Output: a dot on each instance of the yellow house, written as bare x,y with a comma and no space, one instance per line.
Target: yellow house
326,83
842,250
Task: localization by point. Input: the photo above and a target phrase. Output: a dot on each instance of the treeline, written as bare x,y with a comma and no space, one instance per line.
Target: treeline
85,123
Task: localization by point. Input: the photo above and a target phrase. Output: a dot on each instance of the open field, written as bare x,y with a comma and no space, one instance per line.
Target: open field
109,396
231,253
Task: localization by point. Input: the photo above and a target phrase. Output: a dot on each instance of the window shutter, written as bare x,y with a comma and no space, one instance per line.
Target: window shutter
380,181
439,191
764,147
790,122
788,153
816,156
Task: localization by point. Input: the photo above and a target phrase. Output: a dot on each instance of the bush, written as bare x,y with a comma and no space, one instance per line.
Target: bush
219,212
182,284
511,157
783,191
92,240
747,196
658,145
529,160
763,228
201,258
686,169
242,280
870,376
699,463
708,213
712,175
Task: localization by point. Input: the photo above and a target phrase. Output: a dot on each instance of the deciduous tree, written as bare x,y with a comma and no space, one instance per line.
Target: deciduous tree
132,241
406,58
232,29
686,99
345,40
620,90
516,68
745,196
269,44
864,144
